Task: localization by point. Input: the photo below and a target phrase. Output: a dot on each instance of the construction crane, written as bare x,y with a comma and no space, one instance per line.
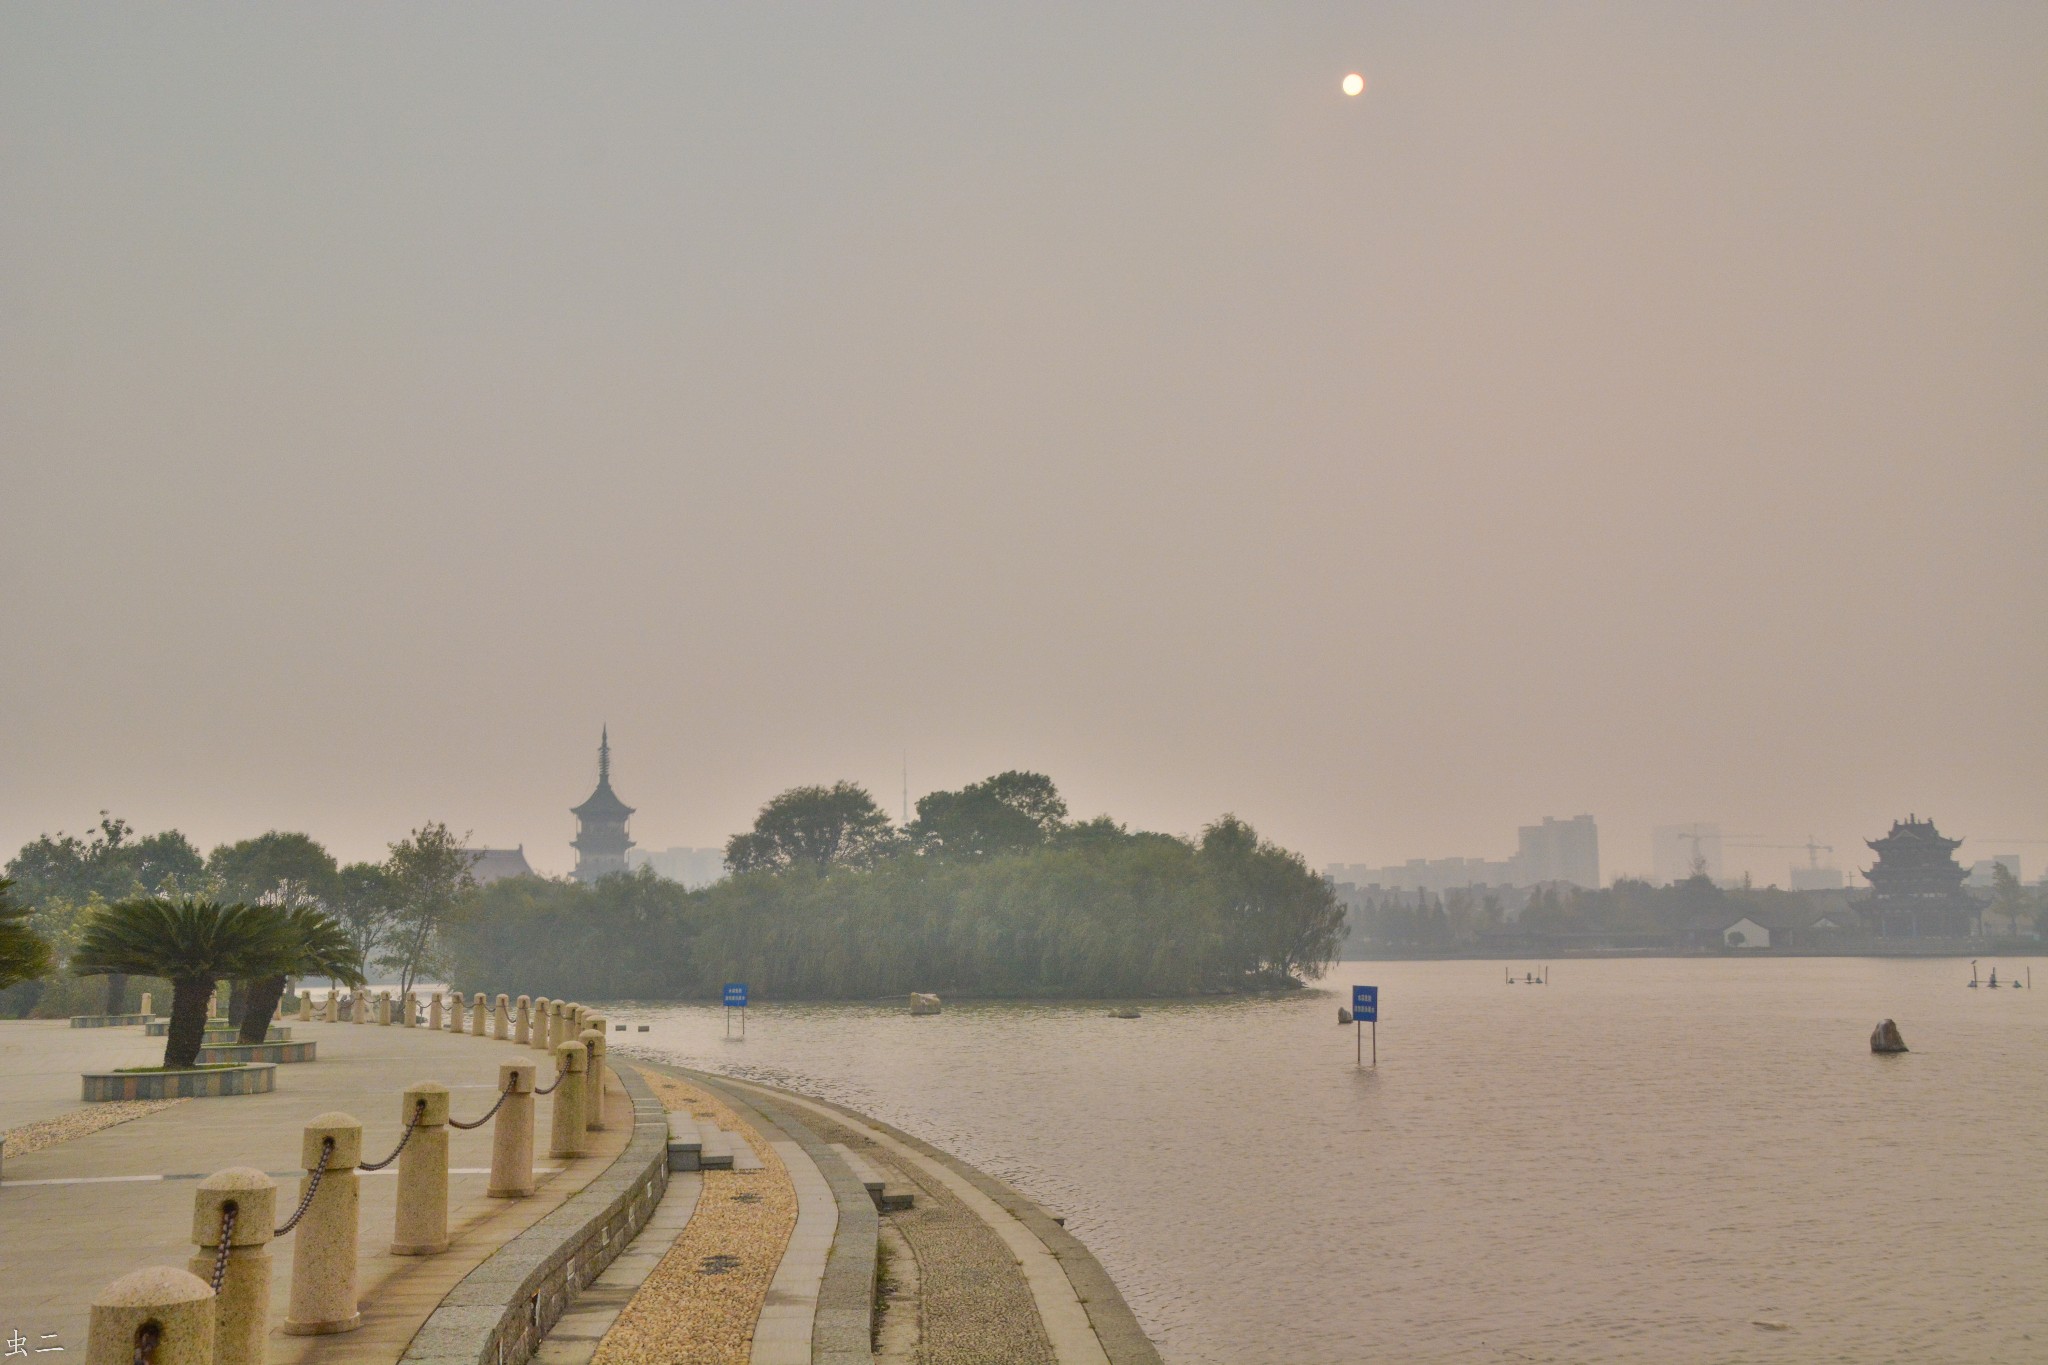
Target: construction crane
1813,848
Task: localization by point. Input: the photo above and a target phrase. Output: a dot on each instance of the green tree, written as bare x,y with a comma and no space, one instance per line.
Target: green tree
364,901
23,954
1281,917
111,864
1006,813
192,942
2009,900
276,868
819,827
429,875
317,946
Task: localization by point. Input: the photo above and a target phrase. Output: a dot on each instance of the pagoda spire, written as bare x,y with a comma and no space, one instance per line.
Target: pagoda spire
604,754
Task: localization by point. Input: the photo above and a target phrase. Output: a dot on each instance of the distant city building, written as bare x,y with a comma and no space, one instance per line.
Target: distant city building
1559,851
1814,878
1554,851
693,867
1981,876
1916,886
487,865
601,840
1674,849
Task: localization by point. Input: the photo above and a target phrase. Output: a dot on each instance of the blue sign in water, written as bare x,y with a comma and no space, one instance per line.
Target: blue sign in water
735,995
1365,1004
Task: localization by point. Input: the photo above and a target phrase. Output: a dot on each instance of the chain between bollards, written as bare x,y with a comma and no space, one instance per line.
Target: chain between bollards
454,1122
227,1237
312,1188
146,1338
551,1089
406,1137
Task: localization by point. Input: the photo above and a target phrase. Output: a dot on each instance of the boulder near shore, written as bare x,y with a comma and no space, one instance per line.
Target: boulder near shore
1885,1038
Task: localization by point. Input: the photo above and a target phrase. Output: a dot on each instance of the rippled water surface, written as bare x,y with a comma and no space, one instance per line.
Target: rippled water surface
1644,1160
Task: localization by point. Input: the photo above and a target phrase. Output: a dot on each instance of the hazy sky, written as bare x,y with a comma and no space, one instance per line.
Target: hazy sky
1635,409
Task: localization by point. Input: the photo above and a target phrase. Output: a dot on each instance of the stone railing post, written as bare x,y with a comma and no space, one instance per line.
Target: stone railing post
384,1008
558,1024
423,1173
161,1314
455,1011
241,1306
512,1134
538,1038
148,1005
522,1021
593,1079
323,1296
479,1015
565,1134
501,1017
305,1008
409,1010
333,1011
362,1009
434,1012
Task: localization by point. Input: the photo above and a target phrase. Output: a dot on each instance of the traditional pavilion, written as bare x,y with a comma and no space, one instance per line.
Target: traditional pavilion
1916,888
601,840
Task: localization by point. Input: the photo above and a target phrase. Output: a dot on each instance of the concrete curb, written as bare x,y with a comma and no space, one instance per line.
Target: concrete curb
1116,1327
843,1330
501,1310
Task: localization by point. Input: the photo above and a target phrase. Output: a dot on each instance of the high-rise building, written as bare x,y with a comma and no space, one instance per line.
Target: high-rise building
693,867
1559,851
601,840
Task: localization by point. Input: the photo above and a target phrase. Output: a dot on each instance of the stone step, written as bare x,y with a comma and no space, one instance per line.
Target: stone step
685,1143
886,1200
718,1148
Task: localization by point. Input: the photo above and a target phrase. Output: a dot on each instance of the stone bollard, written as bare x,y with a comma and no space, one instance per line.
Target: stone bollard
512,1134
593,1078
558,1028
212,1006
241,1306
362,1009
161,1314
434,1012
333,1011
565,1135
305,1009
423,1173
455,1011
479,1015
408,1010
148,1005
501,1017
522,1021
537,1039
323,1297
384,1008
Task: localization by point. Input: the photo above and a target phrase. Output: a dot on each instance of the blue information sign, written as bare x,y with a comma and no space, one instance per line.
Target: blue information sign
1365,1004
735,995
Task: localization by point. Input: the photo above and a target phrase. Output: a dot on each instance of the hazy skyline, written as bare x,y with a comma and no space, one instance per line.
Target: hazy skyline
1627,409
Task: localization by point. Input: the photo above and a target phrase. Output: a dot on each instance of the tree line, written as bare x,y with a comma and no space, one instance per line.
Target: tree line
991,890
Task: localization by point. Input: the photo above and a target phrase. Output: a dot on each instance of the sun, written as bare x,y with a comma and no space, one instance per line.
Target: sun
1354,84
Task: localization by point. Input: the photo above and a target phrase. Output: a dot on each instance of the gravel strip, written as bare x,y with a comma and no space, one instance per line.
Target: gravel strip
699,1306
77,1123
973,1305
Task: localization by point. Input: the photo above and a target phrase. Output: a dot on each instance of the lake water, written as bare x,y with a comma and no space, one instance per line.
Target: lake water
1644,1160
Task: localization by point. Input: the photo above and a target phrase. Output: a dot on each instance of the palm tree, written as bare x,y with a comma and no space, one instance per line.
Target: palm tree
194,943
23,955
322,948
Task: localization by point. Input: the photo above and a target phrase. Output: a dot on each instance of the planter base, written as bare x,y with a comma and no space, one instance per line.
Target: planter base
102,1086
108,1020
283,1053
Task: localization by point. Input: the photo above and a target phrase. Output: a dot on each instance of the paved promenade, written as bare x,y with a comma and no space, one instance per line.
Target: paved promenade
771,1262
83,1213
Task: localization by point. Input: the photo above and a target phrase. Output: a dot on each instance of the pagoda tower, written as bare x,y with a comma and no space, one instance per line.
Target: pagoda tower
601,840
1916,888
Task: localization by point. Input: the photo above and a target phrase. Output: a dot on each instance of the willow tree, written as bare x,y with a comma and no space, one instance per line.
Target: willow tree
192,942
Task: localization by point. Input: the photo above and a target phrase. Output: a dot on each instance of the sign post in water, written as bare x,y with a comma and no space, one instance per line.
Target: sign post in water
735,999
1365,1009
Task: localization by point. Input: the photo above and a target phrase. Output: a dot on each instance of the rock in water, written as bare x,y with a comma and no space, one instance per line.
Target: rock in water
1343,1015
1885,1038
